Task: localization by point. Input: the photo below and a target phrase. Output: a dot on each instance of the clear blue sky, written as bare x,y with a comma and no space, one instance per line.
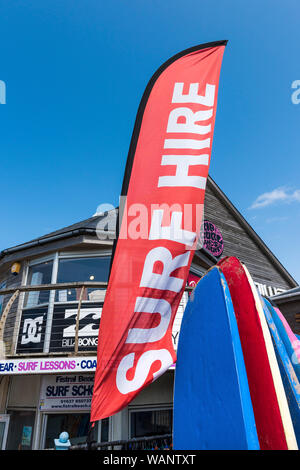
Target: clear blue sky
75,72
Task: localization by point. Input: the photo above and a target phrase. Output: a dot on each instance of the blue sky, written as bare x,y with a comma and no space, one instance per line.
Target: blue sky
75,71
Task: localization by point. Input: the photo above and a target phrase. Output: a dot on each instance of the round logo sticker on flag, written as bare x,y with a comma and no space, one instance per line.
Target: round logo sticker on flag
211,238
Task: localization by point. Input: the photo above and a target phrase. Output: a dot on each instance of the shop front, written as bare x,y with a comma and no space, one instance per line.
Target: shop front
49,385
50,312
41,405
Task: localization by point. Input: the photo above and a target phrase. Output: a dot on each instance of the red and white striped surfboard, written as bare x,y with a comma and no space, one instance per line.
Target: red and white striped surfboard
273,421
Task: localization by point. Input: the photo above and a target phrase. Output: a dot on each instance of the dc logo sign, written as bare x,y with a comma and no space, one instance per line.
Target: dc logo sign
32,330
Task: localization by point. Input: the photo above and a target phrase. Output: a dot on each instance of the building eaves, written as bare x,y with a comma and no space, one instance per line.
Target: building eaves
289,295
88,226
251,232
91,225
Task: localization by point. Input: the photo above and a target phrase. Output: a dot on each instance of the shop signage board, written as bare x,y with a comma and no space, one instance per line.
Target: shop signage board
55,365
71,392
192,280
178,319
32,330
64,324
269,291
33,322
165,180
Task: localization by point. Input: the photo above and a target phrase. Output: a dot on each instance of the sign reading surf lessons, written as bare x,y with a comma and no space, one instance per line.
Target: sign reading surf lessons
53,365
164,182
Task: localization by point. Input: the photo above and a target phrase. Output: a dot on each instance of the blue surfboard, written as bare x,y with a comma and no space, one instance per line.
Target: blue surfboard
289,377
212,404
285,337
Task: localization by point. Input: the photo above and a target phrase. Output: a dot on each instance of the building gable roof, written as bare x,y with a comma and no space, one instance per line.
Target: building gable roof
251,233
91,225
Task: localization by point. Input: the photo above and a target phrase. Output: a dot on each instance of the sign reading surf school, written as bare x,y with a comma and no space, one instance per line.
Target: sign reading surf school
72,392
165,180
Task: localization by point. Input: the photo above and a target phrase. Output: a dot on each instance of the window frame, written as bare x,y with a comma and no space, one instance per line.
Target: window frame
140,408
55,257
44,423
75,255
30,264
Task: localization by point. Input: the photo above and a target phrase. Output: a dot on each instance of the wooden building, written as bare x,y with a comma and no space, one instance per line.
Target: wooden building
47,281
289,304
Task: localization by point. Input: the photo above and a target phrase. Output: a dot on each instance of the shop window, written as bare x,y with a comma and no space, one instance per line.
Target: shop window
76,425
2,430
20,432
4,422
82,269
104,429
150,423
38,274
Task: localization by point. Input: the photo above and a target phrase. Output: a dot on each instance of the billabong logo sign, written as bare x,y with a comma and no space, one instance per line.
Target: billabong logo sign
64,327
86,331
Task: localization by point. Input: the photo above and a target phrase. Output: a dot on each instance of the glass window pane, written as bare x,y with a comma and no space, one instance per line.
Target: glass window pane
2,429
38,274
151,423
104,429
82,269
20,430
76,425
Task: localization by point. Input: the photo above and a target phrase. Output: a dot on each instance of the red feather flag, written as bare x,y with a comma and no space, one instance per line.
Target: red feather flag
164,185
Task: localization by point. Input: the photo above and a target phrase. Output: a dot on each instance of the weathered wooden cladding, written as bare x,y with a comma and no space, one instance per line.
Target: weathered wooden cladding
239,242
11,282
